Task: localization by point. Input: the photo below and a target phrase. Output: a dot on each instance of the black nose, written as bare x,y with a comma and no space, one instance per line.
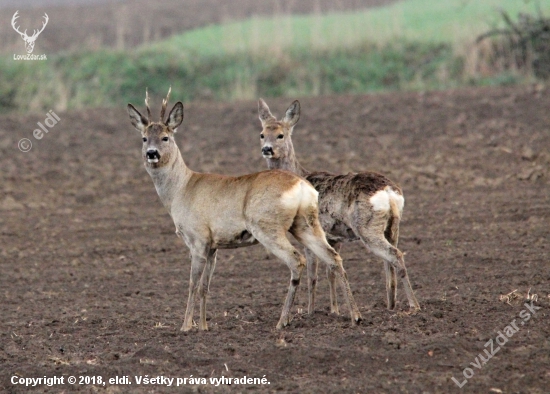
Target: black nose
267,150
152,154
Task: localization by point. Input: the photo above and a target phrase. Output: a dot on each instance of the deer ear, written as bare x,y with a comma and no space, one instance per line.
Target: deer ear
138,120
263,111
292,114
176,116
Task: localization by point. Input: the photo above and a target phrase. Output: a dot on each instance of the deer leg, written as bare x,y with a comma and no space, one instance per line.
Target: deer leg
332,282
278,244
392,257
391,276
413,303
311,261
205,286
296,267
391,284
312,236
197,267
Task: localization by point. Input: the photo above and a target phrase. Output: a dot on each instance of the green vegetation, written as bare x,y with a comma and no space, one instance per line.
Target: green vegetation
410,45
424,21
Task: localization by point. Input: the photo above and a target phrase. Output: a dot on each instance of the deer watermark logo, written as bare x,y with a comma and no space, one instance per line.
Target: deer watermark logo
29,40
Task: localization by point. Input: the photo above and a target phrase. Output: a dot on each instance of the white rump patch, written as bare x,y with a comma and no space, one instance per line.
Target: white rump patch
301,194
311,195
398,198
292,196
380,201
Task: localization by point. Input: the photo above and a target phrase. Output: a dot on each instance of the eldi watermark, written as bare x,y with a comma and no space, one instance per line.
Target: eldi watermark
25,144
492,348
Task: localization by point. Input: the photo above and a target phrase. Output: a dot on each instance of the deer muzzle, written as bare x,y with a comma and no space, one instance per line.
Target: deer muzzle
267,152
152,155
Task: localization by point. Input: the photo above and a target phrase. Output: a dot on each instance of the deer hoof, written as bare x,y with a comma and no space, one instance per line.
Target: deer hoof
283,323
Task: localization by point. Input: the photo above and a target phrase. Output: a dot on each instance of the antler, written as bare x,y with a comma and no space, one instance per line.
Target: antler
147,105
16,28
164,104
46,19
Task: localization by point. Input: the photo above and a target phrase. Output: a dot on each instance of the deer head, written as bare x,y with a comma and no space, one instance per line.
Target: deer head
29,41
159,147
276,134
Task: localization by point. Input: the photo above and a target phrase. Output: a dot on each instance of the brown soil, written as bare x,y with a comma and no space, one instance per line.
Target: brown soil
125,24
94,281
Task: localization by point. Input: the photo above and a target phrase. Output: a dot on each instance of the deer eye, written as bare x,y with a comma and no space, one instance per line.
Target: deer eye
144,139
280,136
262,136
165,139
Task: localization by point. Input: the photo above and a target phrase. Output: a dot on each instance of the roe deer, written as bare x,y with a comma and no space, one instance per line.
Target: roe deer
362,206
214,212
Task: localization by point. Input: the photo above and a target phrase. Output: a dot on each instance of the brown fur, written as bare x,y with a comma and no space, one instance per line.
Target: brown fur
350,186
212,212
346,212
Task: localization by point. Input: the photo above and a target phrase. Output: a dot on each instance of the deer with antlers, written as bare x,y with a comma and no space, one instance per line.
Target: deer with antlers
212,212
364,206
29,41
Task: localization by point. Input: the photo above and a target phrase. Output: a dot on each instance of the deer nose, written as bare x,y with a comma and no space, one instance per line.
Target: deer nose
267,151
152,154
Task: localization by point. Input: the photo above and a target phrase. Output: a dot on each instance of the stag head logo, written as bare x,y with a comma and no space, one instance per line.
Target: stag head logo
29,40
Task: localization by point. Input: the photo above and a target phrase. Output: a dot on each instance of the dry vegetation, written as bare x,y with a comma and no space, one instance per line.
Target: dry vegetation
522,45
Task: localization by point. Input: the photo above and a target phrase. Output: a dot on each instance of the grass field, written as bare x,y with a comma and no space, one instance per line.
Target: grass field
426,21
410,45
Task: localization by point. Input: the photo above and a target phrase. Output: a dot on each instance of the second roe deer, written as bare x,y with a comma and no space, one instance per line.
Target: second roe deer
212,212
364,206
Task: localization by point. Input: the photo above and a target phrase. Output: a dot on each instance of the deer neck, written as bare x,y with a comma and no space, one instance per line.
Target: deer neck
287,162
170,179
